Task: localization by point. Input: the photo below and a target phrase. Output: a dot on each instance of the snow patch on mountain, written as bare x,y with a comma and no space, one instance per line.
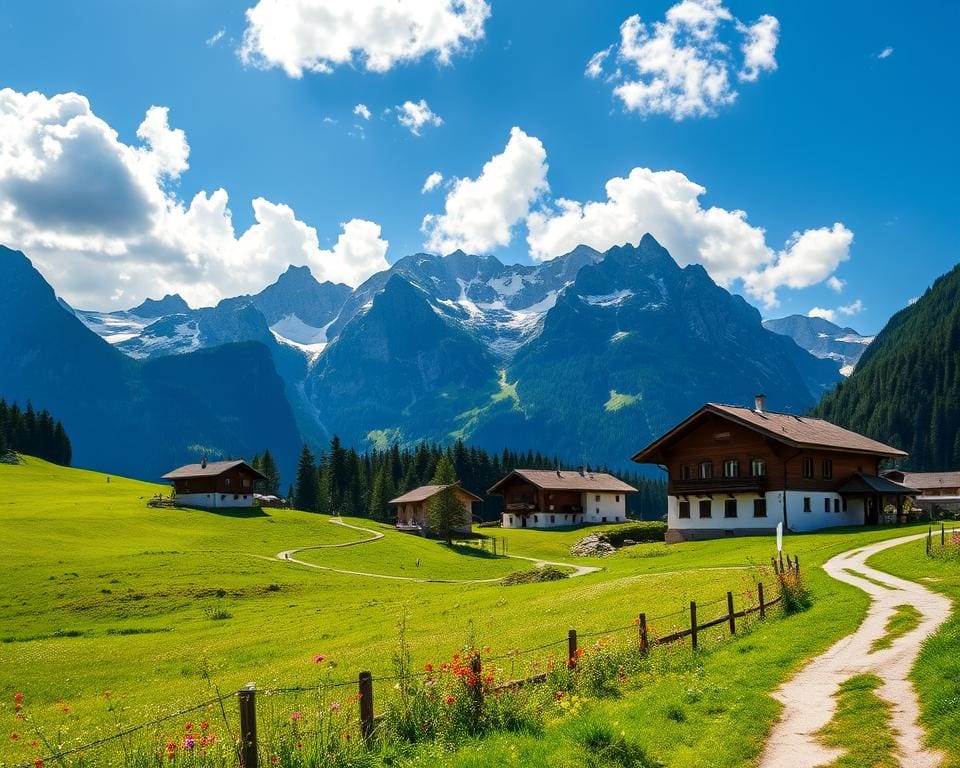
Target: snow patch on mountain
608,300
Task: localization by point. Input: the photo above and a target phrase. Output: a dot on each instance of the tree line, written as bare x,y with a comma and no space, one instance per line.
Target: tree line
343,481
35,434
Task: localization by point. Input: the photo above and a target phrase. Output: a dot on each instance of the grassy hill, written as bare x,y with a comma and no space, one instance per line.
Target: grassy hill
162,606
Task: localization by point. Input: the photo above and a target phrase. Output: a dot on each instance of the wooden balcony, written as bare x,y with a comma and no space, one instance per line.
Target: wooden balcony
718,485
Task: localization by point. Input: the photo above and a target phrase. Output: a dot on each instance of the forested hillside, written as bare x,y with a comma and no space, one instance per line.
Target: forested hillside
342,481
906,389
36,434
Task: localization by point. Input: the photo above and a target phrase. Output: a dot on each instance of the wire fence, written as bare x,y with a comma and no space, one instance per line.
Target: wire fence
645,633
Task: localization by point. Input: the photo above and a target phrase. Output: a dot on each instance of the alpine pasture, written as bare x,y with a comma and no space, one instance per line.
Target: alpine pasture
106,599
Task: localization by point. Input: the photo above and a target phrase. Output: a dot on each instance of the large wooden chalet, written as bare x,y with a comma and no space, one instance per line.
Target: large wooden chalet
542,498
215,484
413,508
734,470
938,490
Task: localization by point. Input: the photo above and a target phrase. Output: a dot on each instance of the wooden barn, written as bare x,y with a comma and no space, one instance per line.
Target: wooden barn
215,484
412,508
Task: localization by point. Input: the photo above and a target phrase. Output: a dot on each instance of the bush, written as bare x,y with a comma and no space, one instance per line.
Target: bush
641,532
537,575
605,748
795,593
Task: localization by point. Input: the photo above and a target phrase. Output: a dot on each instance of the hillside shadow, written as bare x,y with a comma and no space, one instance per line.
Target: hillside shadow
239,513
470,551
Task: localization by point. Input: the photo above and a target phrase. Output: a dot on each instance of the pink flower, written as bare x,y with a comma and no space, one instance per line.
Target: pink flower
296,716
334,706
318,659
189,743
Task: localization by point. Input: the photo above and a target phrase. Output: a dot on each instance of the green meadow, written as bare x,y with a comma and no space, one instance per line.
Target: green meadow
164,607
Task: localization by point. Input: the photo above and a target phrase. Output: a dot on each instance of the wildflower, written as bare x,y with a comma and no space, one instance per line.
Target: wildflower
188,727
17,707
35,744
18,697
189,742
428,667
38,763
449,700
334,706
66,709
107,694
204,725
318,659
296,716
299,745
14,736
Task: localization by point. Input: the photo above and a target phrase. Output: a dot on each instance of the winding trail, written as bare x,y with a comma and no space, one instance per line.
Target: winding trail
288,556
808,698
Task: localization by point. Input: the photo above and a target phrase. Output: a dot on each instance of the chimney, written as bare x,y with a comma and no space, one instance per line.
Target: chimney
582,470
558,473
203,462
759,402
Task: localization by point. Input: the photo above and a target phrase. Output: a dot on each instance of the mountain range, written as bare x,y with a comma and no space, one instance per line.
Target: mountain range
586,356
822,338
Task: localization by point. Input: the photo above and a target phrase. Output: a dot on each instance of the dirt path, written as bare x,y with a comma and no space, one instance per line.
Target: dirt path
808,698
289,557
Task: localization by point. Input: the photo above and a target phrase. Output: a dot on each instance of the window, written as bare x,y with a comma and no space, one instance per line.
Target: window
683,509
730,508
844,504
706,470
759,507
535,519
598,510
808,469
552,521
826,505
226,481
603,519
686,472
246,482
235,497
731,468
509,519
705,508
758,468
597,498
617,498
806,504
827,469
836,506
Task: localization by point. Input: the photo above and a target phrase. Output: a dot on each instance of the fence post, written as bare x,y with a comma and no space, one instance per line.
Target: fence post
693,624
773,560
763,609
644,644
572,649
943,540
781,562
929,534
365,689
248,725
476,692
733,619
796,564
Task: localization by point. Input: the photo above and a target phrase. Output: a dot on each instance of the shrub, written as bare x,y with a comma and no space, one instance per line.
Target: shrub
605,748
795,593
535,576
639,532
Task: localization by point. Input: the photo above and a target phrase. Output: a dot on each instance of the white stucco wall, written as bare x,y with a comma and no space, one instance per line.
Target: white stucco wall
816,518
541,520
213,500
611,507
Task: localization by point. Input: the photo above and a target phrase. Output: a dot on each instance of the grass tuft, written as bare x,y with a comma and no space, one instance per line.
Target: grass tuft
905,619
862,726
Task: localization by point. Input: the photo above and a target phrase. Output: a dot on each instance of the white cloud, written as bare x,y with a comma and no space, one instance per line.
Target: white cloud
361,110
432,182
480,213
100,219
595,65
667,205
886,53
415,115
833,314
216,37
319,35
681,67
836,283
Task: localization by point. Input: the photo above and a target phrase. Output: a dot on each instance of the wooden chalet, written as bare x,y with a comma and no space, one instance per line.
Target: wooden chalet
544,498
937,490
734,470
215,484
412,508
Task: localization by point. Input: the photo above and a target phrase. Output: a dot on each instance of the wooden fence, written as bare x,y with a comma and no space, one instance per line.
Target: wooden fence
247,696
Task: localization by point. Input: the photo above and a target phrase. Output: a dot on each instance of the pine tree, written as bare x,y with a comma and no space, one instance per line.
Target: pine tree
268,468
445,510
379,497
307,495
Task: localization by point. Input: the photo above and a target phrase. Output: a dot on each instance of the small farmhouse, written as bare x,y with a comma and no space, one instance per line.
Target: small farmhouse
737,471
215,484
938,490
542,498
413,508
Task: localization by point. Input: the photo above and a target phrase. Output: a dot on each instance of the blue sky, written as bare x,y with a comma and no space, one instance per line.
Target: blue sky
835,134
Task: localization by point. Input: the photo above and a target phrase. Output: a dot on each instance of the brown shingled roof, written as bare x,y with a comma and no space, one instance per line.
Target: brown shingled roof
567,480
798,431
929,480
212,469
425,492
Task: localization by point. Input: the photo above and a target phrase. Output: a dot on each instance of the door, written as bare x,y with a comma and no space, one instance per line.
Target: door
524,519
871,511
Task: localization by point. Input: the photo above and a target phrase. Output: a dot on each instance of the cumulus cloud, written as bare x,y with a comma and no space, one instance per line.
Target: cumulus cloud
432,182
480,213
681,67
415,115
361,110
836,283
102,218
832,314
886,53
667,205
320,35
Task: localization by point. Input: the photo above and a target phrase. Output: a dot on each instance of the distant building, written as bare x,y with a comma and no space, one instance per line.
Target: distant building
412,508
937,489
543,498
215,484
734,470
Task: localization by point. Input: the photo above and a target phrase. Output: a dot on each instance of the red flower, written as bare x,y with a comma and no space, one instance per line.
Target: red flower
14,736
204,725
318,659
449,700
18,697
428,668
38,763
